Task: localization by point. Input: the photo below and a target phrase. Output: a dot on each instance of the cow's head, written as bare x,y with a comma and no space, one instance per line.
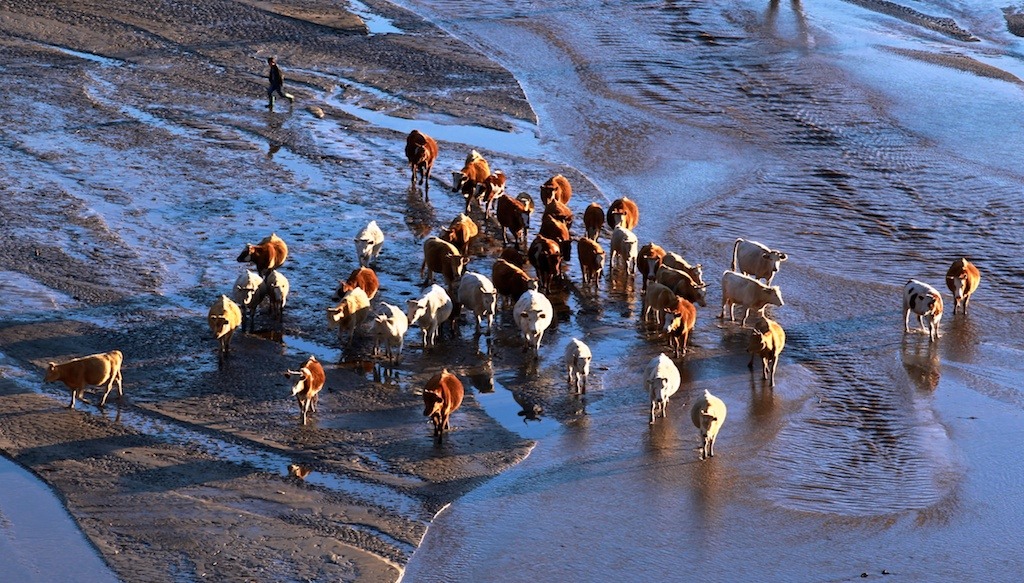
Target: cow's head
433,402
246,254
774,259
52,372
459,180
415,309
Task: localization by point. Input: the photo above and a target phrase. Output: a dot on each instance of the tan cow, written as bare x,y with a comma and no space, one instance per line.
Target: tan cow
749,293
657,299
440,256
306,389
223,317
962,279
756,260
93,370
766,342
460,232
270,253
421,151
349,314
624,212
442,396
556,188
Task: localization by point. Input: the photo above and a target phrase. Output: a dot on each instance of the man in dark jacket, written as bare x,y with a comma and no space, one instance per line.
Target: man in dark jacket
276,84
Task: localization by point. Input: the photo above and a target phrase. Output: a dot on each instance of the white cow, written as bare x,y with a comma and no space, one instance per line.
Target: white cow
243,293
274,288
533,314
756,260
747,292
625,248
388,328
577,364
661,380
925,301
428,312
350,313
708,415
478,295
368,243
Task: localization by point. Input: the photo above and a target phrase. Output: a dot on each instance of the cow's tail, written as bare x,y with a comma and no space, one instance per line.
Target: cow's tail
735,249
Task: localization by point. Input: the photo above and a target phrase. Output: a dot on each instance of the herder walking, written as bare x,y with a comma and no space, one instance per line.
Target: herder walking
276,84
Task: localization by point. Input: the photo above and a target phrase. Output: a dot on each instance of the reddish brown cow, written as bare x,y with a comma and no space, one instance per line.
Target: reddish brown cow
440,256
514,256
268,254
591,260
556,188
441,397
514,216
649,260
421,150
558,232
546,258
559,211
679,320
460,233
623,211
593,220
469,181
95,370
676,261
307,388
364,278
510,281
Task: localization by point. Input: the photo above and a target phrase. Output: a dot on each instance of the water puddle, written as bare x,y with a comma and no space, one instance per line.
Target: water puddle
502,406
375,23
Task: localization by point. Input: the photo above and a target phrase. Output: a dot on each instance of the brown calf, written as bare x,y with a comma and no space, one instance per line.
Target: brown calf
648,261
95,370
441,397
766,342
962,279
593,220
559,211
440,256
679,320
460,233
591,257
557,231
469,181
546,258
510,281
514,216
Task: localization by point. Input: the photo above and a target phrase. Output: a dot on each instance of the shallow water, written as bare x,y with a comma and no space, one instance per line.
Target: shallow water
799,126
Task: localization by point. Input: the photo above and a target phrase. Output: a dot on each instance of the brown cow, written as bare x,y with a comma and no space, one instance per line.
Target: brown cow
766,342
469,181
514,256
95,370
623,211
962,279
268,254
658,298
648,261
559,211
223,317
514,216
593,220
421,150
460,233
306,389
679,320
362,277
682,284
441,397
546,259
510,281
591,257
557,231
556,188
440,256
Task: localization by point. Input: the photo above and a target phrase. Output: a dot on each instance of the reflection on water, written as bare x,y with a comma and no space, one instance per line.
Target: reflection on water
921,360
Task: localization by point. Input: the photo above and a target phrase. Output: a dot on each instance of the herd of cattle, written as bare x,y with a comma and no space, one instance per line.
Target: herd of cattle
671,286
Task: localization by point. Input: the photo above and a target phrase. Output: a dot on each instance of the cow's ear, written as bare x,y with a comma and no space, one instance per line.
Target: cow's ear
698,266
783,257
53,366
